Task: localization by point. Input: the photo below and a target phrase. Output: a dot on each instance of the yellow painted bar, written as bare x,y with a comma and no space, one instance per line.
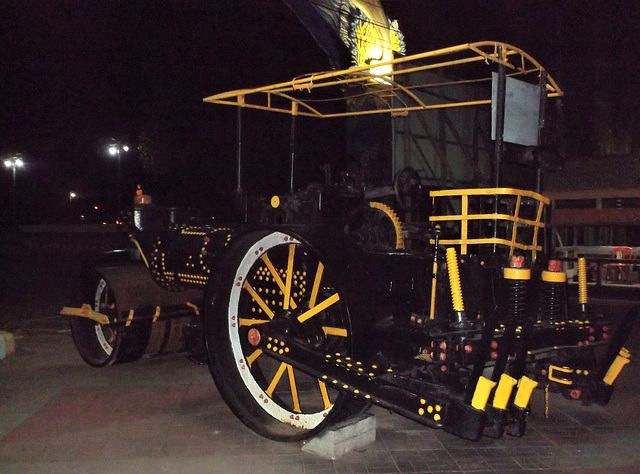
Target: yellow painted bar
287,287
258,300
464,225
137,244
536,229
525,389
331,331
325,395
130,318
554,377
479,217
250,359
396,110
276,277
490,191
514,228
276,379
490,241
251,322
85,311
316,285
622,359
318,308
481,395
294,390
503,392
434,282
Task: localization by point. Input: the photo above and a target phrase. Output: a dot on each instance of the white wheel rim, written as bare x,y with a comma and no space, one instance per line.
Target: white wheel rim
282,414
108,348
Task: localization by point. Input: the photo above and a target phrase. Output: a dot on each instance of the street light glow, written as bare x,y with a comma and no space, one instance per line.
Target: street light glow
13,163
116,149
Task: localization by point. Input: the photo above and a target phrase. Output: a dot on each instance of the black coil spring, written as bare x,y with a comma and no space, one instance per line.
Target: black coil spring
552,303
517,299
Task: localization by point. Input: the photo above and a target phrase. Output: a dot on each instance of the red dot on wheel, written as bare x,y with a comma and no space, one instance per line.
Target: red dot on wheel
254,337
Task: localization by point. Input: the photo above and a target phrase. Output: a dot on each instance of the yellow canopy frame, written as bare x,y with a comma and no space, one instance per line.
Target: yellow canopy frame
472,60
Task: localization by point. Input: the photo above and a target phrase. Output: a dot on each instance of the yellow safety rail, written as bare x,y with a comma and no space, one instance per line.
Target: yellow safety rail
525,209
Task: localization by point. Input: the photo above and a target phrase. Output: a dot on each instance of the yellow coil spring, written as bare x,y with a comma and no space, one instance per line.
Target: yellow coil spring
454,279
582,280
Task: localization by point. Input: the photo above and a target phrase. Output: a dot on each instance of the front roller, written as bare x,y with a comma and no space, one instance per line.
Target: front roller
97,343
274,278
125,315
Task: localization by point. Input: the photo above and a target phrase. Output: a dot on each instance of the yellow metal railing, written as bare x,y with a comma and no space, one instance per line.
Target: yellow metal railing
513,217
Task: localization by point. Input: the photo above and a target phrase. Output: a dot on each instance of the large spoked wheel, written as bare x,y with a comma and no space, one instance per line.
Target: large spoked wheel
272,277
97,344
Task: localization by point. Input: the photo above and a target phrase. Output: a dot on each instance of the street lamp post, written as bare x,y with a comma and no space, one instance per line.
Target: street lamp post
116,150
14,163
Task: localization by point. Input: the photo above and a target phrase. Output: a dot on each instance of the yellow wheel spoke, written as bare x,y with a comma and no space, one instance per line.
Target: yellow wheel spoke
319,308
276,278
276,379
254,356
258,300
316,285
325,394
287,288
288,282
331,331
294,390
251,322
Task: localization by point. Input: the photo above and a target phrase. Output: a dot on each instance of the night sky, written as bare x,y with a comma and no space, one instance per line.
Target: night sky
76,73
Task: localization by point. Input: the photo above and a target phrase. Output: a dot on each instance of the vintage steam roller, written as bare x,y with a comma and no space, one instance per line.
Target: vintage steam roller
442,307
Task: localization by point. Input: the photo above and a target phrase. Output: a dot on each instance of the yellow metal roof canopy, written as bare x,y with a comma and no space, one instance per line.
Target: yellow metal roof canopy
316,95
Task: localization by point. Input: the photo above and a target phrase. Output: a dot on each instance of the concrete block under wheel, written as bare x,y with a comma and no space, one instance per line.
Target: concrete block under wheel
353,433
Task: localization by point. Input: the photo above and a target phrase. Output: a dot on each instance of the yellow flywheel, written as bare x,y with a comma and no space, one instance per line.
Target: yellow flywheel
397,225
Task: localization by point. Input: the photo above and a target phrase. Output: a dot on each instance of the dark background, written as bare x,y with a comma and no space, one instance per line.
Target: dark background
76,73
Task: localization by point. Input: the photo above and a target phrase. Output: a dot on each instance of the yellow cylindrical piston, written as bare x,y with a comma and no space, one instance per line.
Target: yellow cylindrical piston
454,280
525,389
622,359
582,280
481,395
503,392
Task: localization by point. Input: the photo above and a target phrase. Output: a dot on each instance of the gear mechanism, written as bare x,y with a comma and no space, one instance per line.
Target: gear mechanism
395,220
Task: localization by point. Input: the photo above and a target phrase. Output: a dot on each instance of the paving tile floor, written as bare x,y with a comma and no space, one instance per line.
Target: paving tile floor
163,414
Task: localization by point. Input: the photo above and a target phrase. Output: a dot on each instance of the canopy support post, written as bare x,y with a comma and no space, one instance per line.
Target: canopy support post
292,146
